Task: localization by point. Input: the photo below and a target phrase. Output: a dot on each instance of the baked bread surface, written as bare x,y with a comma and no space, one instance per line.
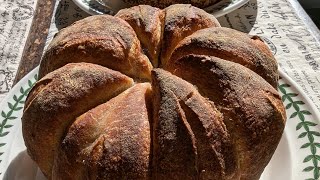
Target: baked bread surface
154,94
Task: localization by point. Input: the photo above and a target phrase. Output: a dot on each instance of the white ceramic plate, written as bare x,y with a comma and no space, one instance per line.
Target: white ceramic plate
225,6
296,157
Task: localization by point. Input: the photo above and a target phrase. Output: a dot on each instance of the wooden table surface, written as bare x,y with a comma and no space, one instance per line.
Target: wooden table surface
36,40
41,23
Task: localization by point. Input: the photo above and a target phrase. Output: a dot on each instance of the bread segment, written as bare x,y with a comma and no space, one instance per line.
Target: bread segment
172,139
185,121
213,140
251,107
103,40
111,141
58,98
148,24
233,46
182,20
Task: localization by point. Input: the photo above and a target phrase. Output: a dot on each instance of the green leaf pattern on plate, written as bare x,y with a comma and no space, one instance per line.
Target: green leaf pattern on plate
16,105
304,128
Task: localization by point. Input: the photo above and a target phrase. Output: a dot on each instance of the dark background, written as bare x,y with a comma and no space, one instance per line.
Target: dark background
312,7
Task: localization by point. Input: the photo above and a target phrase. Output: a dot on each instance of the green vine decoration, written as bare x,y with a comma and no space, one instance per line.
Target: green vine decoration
16,106
307,132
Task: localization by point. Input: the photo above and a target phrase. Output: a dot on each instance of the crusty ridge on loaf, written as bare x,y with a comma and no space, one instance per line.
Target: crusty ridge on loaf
233,46
103,40
75,89
109,141
252,108
182,20
154,94
147,22
187,123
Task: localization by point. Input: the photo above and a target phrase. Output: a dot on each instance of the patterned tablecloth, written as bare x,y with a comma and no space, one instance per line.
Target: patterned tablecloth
15,21
294,46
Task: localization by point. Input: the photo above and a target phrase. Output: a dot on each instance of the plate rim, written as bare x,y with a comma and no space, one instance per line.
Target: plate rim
217,14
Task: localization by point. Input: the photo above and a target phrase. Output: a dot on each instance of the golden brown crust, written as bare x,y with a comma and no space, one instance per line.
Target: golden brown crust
179,106
233,46
147,22
181,21
165,3
222,122
111,141
60,97
252,108
103,40
172,138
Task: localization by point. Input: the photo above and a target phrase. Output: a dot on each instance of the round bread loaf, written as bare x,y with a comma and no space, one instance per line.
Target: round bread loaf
154,94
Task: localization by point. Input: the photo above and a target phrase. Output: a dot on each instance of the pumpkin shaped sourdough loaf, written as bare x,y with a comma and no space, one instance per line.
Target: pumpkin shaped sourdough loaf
154,94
